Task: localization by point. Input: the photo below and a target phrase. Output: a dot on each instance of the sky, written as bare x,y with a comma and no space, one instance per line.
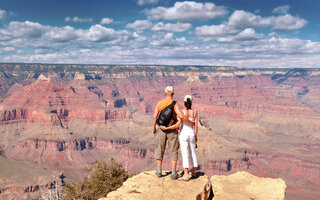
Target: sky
241,33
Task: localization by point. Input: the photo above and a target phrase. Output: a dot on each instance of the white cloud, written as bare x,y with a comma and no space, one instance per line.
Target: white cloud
241,19
98,33
34,35
287,22
140,25
238,43
281,9
63,34
168,40
138,37
4,37
106,21
247,34
275,44
178,27
240,26
3,14
34,30
216,30
144,2
78,19
25,29
225,33
187,11
272,51
7,49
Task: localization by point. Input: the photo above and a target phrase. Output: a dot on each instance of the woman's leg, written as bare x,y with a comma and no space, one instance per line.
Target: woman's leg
194,171
193,154
184,150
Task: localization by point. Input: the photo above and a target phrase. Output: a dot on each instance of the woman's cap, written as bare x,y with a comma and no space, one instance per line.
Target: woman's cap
187,97
169,90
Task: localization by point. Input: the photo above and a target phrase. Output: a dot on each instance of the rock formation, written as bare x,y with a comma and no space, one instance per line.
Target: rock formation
146,186
244,186
239,186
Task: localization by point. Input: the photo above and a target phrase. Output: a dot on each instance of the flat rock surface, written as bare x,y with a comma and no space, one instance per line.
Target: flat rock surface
245,186
146,186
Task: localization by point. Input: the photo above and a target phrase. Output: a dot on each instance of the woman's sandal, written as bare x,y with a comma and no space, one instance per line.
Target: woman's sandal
185,178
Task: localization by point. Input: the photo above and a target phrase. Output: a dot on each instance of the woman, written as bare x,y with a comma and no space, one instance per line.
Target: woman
187,138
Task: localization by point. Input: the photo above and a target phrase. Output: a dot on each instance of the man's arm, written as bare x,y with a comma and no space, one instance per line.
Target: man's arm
181,115
154,121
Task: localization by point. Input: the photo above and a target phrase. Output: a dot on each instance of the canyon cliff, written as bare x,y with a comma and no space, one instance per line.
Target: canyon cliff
63,118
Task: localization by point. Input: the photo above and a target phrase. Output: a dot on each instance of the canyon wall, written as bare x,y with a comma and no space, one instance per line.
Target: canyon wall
66,117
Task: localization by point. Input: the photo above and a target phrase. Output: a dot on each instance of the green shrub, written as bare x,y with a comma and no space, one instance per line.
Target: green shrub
103,178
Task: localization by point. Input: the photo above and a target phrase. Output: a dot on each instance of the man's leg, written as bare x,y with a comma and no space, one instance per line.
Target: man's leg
174,166
159,165
159,152
173,145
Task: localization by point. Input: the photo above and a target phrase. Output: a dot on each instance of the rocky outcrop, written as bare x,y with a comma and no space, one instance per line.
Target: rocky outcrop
146,186
240,186
244,186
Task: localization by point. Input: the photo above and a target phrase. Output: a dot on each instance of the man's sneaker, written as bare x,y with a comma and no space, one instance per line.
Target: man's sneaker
158,174
174,176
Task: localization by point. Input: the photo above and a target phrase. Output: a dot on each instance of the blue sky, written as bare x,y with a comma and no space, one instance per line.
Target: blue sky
243,33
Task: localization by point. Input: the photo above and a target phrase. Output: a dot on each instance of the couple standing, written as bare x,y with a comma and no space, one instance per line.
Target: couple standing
170,118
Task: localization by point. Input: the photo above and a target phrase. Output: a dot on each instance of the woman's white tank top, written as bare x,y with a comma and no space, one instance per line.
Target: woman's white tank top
185,125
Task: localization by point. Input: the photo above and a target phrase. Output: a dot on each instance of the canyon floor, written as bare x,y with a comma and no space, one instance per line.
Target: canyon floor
55,120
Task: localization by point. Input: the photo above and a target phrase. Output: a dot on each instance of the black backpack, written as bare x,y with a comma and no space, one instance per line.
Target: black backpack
166,115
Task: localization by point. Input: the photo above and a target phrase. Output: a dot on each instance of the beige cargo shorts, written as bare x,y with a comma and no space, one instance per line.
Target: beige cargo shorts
162,137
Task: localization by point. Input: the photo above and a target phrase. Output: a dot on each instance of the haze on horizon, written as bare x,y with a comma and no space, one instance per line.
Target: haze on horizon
242,33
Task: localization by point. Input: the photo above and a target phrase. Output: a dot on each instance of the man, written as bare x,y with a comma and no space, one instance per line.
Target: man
169,135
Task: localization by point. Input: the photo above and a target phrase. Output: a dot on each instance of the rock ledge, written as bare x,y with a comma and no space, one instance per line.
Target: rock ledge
146,186
245,186
237,186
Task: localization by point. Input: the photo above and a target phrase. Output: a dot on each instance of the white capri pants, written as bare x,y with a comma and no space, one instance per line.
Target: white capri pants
188,146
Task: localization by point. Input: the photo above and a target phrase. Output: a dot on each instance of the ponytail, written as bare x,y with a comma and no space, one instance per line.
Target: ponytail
188,104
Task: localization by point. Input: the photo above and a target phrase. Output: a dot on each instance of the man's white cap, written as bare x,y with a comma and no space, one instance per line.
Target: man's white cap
187,97
169,90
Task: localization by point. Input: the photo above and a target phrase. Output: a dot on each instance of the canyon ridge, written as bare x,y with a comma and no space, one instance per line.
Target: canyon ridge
57,119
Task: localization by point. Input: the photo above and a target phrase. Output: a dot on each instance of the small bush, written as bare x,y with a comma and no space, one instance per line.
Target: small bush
103,178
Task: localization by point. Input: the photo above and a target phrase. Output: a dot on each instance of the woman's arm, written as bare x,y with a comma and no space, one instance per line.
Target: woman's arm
196,120
174,126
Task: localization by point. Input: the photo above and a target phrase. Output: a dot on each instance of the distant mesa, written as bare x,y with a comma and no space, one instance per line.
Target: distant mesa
79,76
43,78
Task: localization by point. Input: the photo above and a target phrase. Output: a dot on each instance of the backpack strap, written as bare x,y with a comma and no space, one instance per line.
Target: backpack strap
173,103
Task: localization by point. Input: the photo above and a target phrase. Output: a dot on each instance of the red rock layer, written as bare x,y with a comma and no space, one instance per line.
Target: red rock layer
68,153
